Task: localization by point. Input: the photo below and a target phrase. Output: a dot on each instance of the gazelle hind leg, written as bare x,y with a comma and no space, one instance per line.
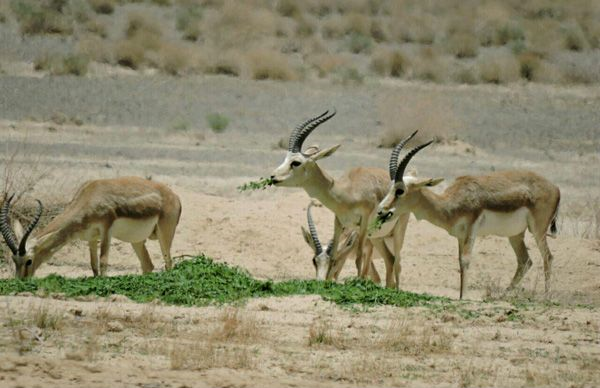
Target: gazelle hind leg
542,244
93,245
373,274
465,249
143,256
389,262
523,260
104,249
165,231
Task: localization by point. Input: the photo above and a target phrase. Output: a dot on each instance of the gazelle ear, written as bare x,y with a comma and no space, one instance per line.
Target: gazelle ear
310,151
325,153
308,238
18,229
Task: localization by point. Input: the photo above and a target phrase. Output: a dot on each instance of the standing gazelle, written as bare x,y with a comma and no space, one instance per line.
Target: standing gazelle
130,209
353,199
502,204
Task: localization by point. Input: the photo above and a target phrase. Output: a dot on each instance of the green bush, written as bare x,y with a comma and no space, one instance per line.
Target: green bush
217,121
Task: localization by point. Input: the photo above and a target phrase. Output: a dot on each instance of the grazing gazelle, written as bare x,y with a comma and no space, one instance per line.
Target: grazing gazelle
322,257
353,199
503,204
130,209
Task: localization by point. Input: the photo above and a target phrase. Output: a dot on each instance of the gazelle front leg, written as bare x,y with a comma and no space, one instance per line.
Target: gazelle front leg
104,248
399,233
93,245
465,247
336,264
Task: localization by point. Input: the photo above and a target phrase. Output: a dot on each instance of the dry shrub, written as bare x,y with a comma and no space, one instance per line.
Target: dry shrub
227,63
289,8
428,66
499,68
401,116
530,65
417,339
96,27
305,27
129,53
328,63
240,25
187,21
463,45
389,63
413,29
473,376
143,30
36,17
63,64
270,64
174,59
359,43
333,27
357,23
96,49
465,74
574,37
103,6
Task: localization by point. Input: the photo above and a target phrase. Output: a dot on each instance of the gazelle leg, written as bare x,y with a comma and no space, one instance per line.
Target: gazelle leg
399,233
93,245
388,259
464,257
523,260
142,254
337,263
373,274
104,249
542,244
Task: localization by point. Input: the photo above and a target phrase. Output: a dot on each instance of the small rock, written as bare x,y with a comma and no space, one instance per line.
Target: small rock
115,326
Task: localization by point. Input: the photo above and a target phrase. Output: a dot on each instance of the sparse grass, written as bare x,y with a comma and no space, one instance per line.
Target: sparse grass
200,281
237,327
328,63
43,318
129,54
217,122
187,21
359,43
349,76
417,340
201,355
73,64
174,59
463,45
321,332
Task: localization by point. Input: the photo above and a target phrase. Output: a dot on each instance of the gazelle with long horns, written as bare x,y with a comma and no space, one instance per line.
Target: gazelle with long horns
322,257
353,199
130,209
503,204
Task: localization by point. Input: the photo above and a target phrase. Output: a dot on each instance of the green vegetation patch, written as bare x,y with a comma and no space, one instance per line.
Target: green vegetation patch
262,183
200,281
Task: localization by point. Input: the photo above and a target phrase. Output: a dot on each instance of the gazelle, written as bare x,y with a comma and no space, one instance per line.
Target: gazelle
503,204
353,199
130,209
322,257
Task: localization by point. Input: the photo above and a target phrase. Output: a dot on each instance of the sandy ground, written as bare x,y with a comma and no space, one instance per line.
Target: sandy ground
299,341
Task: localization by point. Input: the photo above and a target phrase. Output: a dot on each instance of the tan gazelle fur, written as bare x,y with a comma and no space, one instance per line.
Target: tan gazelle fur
502,203
130,209
353,199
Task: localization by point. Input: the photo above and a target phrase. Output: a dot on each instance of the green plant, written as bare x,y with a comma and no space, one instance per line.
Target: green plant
262,183
40,17
359,43
200,281
103,6
217,122
187,21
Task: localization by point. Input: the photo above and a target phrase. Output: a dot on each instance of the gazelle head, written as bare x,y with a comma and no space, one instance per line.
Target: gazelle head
23,259
322,258
398,199
297,164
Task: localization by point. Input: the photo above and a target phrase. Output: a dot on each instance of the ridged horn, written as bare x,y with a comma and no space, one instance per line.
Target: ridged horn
5,228
393,166
402,166
303,133
313,230
30,228
294,135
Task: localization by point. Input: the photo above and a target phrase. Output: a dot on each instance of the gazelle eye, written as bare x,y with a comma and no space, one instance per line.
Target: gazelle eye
28,262
295,164
399,192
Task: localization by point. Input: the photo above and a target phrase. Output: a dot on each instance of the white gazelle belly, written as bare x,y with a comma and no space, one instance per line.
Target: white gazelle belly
133,230
502,223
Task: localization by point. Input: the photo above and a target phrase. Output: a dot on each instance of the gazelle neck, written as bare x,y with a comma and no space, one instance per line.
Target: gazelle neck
321,186
45,245
427,205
